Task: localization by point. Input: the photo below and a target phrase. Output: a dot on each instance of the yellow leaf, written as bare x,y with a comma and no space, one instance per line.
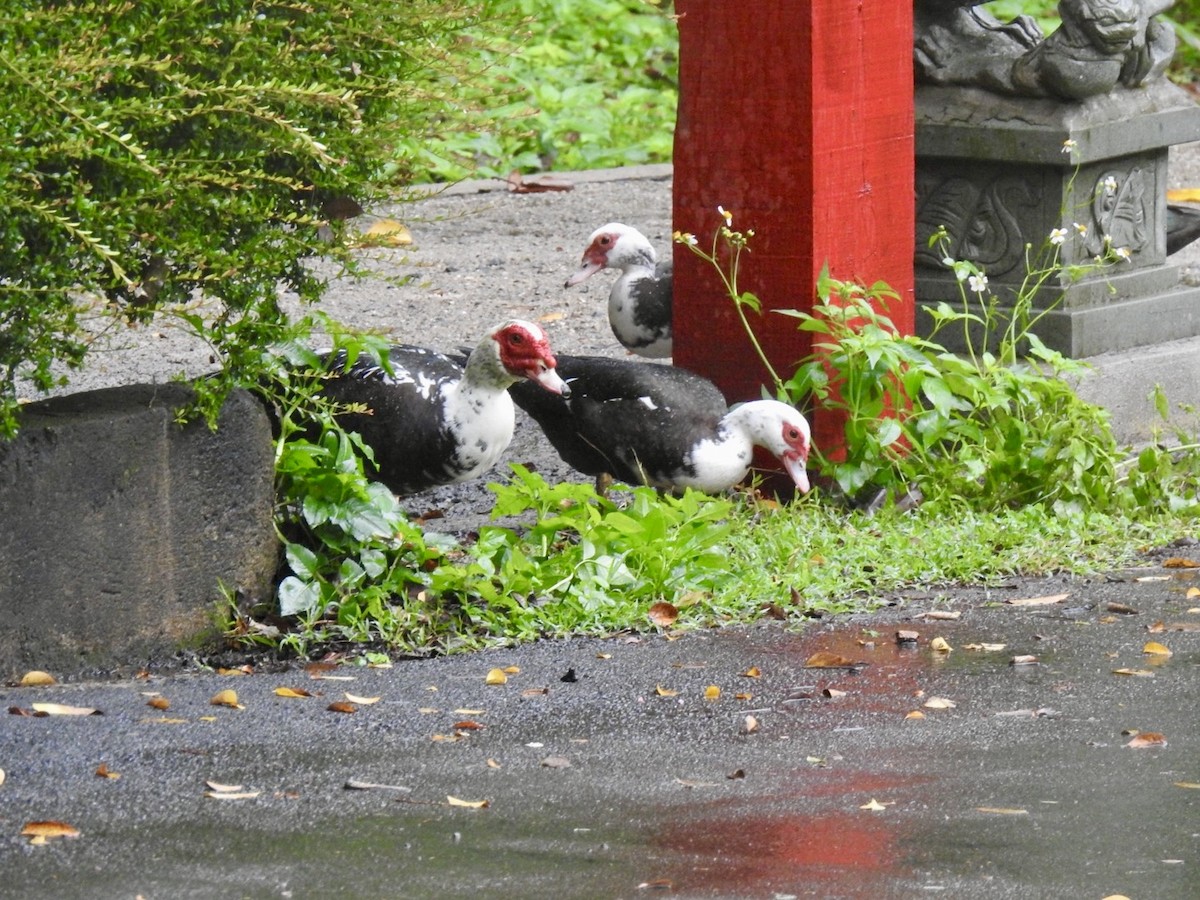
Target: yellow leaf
159,703
37,678
712,692
512,670
362,701
823,659
603,656
293,693
1192,593
226,697
60,709
467,804
1183,195
1140,673
1002,811
389,231
1179,562
874,806
752,672
915,714
1038,601
1154,648
665,692
939,645
496,676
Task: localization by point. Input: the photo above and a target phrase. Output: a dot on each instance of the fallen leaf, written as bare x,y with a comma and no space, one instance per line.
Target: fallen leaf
354,785
37,678
1002,811
1148,578
519,184
222,788
743,696
663,614
603,656
905,636
1025,659
469,725
231,795
825,660
749,725
388,231
342,706
362,701
240,670
512,670
1192,593
1140,673
712,692
833,693
1038,601
940,645
940,703
496,676
492,764
467,804
61,709
159,703
46,830
1180,195
915,714
665,692
752,672
556,762
1147,739
102,771
226,697
1121,609
1154,648
874,805
736,775
987,648
1190,785
943,614
658,884
1179,562
297,693
2,776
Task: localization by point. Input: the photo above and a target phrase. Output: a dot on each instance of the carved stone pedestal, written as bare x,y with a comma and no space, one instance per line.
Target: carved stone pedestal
1000,173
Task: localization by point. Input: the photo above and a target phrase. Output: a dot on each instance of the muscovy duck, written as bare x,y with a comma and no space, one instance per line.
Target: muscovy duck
1183,226
639,304
646,423
433,421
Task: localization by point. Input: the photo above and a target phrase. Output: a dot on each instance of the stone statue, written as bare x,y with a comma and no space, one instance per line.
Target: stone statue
1100,45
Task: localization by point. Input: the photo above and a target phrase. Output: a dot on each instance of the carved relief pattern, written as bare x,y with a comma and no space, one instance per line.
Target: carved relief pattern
1120,211
983,220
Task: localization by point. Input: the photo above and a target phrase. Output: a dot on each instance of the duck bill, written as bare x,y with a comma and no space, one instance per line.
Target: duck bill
583,273
794,465
550,380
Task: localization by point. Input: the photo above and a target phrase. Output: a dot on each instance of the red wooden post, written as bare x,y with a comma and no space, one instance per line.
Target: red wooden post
798,118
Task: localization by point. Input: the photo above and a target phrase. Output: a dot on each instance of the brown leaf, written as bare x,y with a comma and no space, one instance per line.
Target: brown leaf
519,184
49,829
226,697
905,636
342,706
102,771
556,762
742,695
663,614
823,659
1179,562
943,615
1038,601
37,678
1140,673
1147,739
1121,609
736,774
240,670
833,693
159,703
469,725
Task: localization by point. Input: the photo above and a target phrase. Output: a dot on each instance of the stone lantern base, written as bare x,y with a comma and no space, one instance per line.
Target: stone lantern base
1001,173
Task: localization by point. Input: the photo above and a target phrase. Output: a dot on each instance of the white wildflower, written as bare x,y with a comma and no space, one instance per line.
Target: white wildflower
977,283
1058,236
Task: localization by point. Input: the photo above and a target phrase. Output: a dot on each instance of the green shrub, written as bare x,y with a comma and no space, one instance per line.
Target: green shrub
152,153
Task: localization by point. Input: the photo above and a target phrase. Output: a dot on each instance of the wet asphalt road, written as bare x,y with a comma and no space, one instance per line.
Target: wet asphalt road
1024,788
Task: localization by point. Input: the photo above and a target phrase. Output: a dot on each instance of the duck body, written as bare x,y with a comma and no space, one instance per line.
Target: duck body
431,421
641,299
644,423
